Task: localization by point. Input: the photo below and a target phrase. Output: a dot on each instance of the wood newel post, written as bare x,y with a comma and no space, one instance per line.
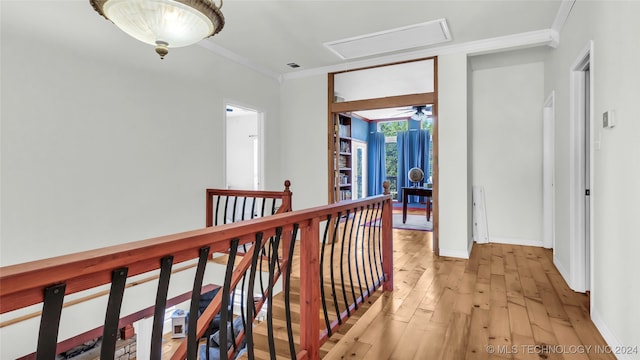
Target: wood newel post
287,235
386,185
209,210
387,244
310,289
286,198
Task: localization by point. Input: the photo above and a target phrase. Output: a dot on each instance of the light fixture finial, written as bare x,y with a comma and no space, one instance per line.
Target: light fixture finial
162,48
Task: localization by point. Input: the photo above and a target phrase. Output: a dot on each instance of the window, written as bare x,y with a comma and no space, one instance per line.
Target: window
390,130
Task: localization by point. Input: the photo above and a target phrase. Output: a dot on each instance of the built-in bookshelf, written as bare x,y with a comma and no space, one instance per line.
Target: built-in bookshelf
343,160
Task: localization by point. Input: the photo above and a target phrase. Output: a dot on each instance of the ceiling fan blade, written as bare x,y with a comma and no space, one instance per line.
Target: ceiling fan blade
403,113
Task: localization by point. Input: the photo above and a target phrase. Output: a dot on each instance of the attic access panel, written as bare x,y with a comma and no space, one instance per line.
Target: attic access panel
410,37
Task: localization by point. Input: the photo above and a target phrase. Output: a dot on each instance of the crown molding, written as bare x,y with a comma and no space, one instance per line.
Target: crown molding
219,50
562,15
546,37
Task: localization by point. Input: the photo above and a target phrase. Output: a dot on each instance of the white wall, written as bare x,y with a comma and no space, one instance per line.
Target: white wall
507,149
102,148
304,139
613,27
304,155
454,201
241,131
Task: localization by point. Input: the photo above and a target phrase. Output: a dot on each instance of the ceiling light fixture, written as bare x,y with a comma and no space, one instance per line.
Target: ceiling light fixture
164,23
422,113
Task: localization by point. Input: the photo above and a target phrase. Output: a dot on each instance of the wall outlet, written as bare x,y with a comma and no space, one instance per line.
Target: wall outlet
608,119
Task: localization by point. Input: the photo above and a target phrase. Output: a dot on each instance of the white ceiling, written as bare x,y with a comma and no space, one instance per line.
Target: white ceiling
274,33
268,34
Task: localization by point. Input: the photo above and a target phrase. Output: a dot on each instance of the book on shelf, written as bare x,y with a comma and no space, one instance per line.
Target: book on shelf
345,195
343,161
345,146
344,130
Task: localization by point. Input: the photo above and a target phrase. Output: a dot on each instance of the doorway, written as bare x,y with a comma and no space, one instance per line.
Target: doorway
381,87
243,148
359,168
581,177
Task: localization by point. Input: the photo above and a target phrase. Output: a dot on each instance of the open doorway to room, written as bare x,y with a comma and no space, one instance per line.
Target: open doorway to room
243,148
404,91
413,124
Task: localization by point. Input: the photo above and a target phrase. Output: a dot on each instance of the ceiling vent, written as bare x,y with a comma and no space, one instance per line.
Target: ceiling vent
399,39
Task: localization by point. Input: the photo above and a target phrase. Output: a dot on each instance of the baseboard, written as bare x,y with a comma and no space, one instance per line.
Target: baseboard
460,254
469,248
525,242
609,337
562,270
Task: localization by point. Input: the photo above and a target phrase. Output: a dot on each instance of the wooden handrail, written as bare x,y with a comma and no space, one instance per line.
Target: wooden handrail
284,196
22,285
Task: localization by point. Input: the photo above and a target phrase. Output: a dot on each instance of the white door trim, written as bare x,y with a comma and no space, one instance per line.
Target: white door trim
578,245
548,173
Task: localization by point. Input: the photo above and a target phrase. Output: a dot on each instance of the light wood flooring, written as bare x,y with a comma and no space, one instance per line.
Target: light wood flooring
505,302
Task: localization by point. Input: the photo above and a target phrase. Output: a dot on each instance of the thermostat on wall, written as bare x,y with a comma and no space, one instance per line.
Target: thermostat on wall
608,119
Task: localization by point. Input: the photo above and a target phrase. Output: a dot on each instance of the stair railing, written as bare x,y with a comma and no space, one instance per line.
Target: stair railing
259,251
230,205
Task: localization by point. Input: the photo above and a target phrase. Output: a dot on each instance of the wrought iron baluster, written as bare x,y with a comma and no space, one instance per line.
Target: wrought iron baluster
233,211
322,296
331,267
344,236
253,208
244,205
287,293
273,257
379,238
112,317
50,321
226,205
215,220
161,301
355,247
353,291
368,235
224,309
251,306
192,341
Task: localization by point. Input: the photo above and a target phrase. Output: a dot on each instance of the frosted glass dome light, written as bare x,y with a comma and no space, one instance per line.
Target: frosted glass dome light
164,23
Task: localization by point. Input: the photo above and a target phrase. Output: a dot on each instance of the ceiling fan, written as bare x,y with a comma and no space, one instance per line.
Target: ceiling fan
419,112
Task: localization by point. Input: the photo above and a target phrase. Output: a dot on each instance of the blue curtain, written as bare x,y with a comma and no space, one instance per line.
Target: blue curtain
376,159
413,151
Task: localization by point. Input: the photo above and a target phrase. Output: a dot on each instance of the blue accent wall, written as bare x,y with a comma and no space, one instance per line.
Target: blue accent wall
359,129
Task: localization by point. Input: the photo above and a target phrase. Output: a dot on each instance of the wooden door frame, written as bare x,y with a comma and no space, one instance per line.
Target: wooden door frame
334,108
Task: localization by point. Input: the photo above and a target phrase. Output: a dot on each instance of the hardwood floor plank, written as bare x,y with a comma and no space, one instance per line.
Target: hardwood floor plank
433,344
519,321
586,331
540,323
567,336
506,296
482,296
456,337
383,346
478,335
